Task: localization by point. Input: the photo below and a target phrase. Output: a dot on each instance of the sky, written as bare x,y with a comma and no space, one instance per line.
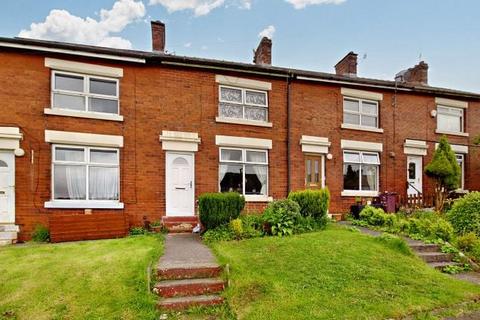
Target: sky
388,35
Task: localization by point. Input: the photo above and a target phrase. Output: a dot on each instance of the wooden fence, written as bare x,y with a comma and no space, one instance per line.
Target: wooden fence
416,201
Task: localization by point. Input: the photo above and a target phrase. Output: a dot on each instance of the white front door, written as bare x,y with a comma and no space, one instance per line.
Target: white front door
7,187
414,175
180,191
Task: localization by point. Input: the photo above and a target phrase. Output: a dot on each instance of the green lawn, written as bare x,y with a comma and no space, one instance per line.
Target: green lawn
333,274
104,279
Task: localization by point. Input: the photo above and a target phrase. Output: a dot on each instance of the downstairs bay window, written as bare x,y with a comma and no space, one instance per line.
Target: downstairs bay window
244,171
360,172
85,176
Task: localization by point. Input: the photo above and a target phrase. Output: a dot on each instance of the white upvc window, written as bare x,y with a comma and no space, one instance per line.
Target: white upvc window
243,104
450,119
461,162
81,173
360,112
361,171
85,93
244,171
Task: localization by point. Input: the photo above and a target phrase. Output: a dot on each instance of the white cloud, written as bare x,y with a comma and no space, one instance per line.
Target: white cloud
200,7
204,47
61,25
187,45
300,4
267,32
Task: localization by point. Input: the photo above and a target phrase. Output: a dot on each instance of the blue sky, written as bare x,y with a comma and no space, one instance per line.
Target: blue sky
388,35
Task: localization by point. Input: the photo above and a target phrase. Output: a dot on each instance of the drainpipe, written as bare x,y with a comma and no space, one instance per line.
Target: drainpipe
289,154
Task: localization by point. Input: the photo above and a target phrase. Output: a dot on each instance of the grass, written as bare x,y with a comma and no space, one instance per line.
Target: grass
103,279
333,274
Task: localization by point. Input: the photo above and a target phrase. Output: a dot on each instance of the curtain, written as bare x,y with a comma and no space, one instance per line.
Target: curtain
370,176
75,181
262,175
103,183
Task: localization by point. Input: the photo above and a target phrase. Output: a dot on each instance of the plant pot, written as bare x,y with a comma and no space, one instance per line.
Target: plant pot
356,209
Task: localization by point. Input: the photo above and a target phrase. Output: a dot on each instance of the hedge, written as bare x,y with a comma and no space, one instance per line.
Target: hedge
217,209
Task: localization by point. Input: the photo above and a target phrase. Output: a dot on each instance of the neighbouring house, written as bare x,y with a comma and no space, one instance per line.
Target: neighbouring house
96,140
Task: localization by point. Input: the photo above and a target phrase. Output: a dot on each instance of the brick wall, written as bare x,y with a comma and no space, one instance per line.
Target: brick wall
155,98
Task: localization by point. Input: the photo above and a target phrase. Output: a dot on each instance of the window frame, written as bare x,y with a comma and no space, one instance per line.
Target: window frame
462,169
87,163
243,103
360,112
360,163
447,113
86,94
244,163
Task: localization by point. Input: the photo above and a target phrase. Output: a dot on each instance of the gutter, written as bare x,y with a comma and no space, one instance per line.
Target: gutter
72,52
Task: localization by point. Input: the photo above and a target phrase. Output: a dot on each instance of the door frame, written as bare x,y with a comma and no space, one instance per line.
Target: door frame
167,153
11,205
419,167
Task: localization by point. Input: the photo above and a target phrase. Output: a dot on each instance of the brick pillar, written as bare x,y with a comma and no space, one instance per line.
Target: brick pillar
158,36
347,66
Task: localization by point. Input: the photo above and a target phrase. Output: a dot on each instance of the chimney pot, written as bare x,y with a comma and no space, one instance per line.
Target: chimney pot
263,54
348,65
158,36
416,75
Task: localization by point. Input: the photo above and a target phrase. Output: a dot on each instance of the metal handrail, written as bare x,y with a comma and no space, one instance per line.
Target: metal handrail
411,185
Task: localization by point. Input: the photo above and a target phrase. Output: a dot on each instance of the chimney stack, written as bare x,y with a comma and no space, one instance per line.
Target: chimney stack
158,36
416,75
263,54
347,66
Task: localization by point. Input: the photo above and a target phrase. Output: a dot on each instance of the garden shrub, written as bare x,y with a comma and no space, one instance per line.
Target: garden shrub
374,216
252,225
465,214
308,224
221,233
218,209
41,234
136,231
467,241
430,228
281,217
313,203
236,225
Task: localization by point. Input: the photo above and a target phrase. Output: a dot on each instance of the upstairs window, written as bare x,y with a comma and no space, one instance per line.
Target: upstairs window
360,112
244,171
245,104
360,171
84,93
450,119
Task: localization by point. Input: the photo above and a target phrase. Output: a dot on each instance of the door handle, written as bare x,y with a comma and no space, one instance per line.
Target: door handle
191,184
180,188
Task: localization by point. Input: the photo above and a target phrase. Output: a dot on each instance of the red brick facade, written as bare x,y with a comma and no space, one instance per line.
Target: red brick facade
156,97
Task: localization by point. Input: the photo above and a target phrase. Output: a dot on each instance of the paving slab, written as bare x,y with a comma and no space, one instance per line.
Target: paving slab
186,251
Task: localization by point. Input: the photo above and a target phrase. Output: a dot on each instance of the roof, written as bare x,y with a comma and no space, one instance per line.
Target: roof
136,56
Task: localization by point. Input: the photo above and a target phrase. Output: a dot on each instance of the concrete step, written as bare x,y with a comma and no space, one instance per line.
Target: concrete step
441,265
180,224
207,270
8,235
423,247
188,287
435,257
180,303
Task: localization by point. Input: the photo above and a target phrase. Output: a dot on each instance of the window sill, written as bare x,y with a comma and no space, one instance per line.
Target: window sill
82,114
462,134
79,204
244,122
251,198
358,193
354,127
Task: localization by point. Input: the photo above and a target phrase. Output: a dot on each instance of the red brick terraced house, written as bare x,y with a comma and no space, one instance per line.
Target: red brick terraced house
96,140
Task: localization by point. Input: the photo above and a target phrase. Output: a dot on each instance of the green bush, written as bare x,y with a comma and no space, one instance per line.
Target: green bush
41,234
430,228
465,214
236,225
218,209
252,225
313,203
374,216
467,242
308,224
136,231
281,217
221,233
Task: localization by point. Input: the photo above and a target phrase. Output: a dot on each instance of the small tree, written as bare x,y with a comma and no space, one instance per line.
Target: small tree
445,170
